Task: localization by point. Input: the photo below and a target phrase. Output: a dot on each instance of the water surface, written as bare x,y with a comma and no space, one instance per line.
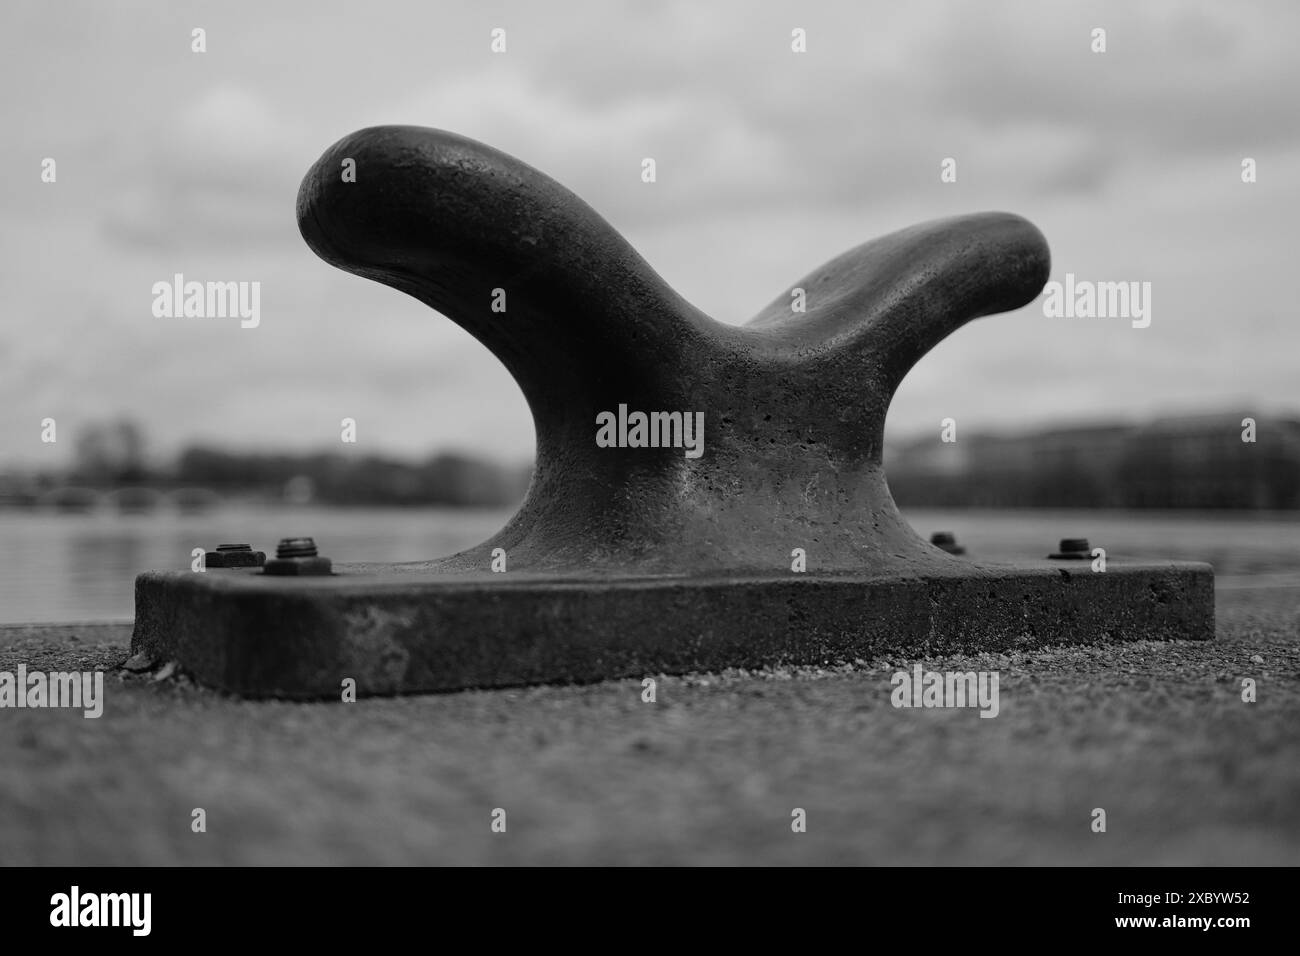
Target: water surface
81,567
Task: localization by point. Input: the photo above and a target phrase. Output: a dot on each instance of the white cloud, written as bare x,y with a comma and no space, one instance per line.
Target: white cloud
769,164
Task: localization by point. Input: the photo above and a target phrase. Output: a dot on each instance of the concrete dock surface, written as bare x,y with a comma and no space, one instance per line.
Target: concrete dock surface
1156,734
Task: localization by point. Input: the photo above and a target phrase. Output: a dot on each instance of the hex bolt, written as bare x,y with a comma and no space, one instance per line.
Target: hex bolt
1073,549
296,548
234,556
297,556
946,541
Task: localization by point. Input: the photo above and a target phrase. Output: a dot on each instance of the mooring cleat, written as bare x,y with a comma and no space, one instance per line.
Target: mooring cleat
704,495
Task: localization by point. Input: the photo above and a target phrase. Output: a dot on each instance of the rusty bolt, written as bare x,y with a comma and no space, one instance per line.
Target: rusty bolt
946,541
297,556
234,556
1073,549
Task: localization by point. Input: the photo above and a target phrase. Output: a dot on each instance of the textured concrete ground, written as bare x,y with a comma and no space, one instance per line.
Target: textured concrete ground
1156,734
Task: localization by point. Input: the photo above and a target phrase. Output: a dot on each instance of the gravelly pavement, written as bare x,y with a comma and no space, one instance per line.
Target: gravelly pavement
1154,733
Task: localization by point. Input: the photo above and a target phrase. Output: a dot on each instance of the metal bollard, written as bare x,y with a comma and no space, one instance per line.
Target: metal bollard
684,467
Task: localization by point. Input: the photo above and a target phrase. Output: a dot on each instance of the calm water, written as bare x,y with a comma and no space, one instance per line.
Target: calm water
69,567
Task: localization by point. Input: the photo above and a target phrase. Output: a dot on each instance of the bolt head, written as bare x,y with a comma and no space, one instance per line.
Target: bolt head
946,541
242,556
296,548
1073,549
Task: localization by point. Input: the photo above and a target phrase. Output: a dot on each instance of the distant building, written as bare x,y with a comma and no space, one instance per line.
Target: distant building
1201,462
1183,462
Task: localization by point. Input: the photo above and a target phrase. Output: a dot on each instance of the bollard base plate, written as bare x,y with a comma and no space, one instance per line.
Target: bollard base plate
399,632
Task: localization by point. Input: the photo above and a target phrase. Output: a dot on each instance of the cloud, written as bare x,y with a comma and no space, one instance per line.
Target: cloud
219,174
769,163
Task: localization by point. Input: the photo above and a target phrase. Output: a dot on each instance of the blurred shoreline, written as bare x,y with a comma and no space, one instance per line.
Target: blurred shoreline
1221,461
81,567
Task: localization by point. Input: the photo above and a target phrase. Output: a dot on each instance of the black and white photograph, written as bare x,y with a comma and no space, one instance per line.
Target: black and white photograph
623,434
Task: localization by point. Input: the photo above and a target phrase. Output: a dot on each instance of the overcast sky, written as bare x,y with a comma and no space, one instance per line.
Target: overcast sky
769,163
